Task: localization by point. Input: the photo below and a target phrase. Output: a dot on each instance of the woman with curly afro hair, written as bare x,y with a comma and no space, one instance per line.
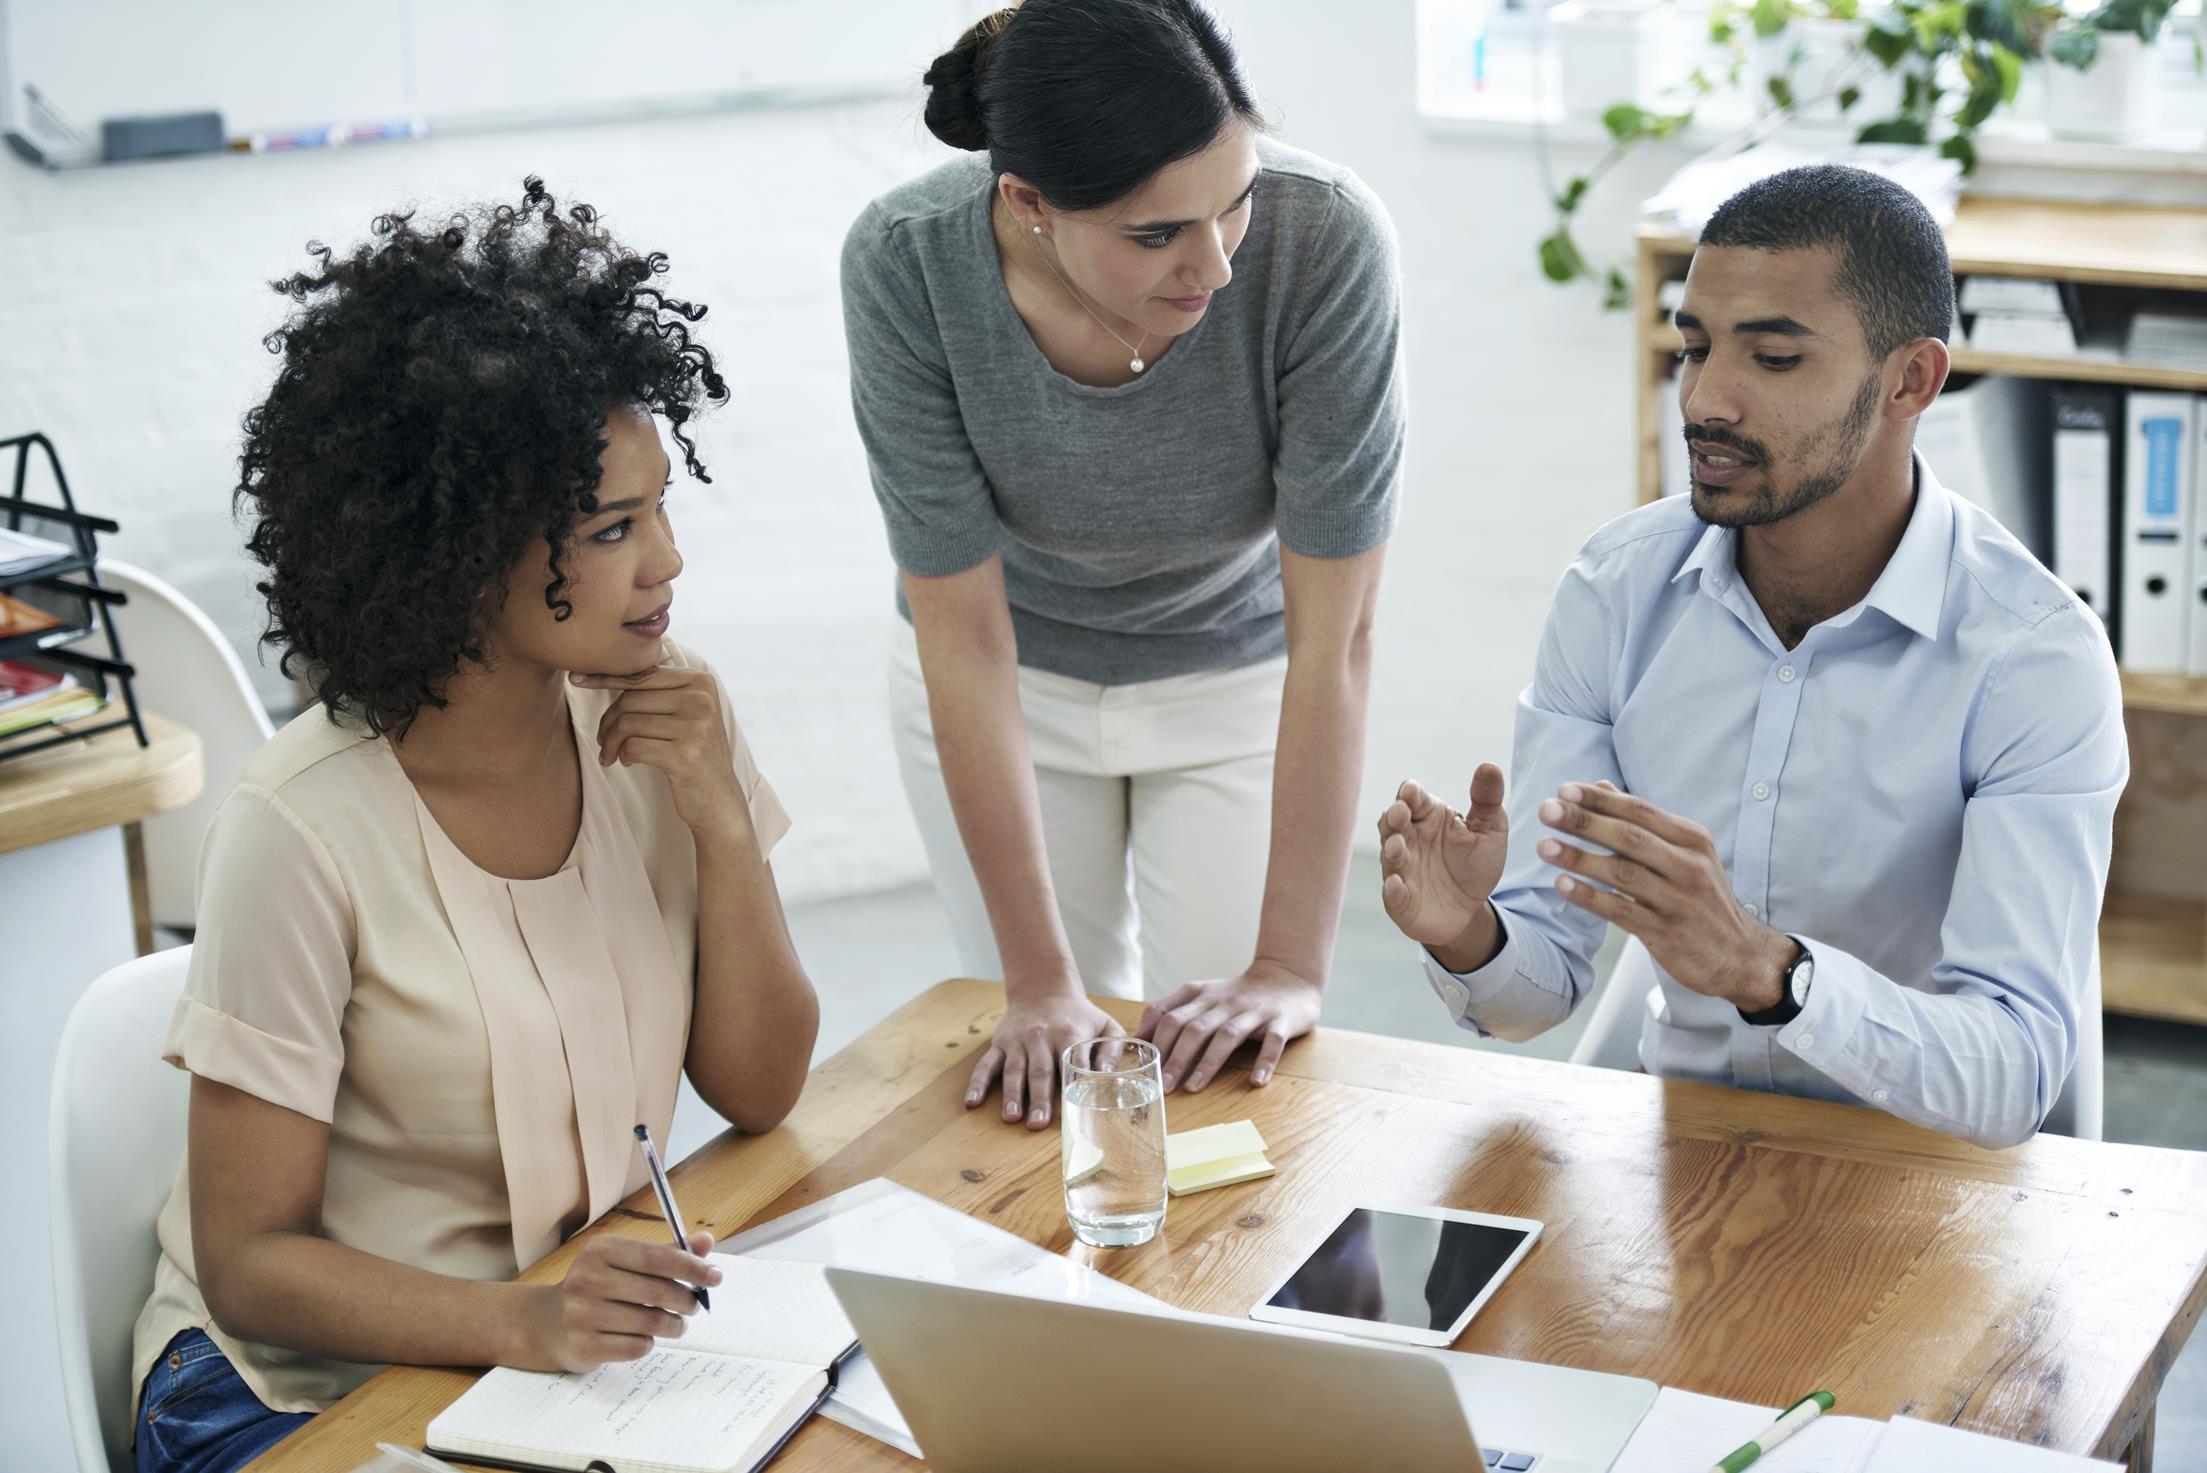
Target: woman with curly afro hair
467,923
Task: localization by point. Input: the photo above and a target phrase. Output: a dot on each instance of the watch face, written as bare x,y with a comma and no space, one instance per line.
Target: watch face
1804,973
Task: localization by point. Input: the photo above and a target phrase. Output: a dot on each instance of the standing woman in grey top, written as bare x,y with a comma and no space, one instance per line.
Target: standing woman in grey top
1129,386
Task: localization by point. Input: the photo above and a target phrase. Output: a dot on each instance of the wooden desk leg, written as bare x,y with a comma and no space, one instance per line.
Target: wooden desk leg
141,895
2138,1457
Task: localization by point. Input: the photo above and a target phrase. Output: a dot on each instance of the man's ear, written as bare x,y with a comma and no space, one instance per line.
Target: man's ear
1924,365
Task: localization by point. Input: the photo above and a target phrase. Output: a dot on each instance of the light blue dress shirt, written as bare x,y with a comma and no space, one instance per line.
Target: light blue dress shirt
1922,793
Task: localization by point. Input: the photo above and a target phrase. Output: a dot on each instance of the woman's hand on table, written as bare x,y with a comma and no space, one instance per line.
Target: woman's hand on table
619,1295
1033,1032
1196,1026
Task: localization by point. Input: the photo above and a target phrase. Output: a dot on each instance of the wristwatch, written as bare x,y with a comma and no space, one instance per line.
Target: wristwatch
1793,994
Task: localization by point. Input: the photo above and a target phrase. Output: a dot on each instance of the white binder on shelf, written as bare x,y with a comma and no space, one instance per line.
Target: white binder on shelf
2159,454
2087,422
2195,543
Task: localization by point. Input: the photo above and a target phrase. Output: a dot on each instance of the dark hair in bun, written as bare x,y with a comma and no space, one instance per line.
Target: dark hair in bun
1088,100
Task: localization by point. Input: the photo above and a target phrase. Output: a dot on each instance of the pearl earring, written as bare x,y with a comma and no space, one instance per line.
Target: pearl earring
1038,230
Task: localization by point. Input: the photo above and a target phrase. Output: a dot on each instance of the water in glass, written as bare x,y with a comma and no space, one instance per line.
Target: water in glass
1112,1142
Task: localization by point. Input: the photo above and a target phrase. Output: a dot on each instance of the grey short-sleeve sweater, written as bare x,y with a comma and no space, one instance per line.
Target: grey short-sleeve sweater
1140,526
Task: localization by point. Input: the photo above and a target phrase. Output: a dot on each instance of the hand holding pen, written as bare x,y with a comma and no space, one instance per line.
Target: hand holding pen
620,1295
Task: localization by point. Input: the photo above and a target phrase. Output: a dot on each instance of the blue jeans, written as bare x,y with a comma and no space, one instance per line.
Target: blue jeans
199,1416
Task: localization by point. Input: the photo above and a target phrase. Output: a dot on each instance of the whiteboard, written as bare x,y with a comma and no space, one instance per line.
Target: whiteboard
282,66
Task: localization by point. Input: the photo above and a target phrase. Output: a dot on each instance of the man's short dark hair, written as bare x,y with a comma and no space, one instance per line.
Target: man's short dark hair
1892,257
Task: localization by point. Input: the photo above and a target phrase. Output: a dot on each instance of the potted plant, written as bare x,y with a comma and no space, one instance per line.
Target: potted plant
2105,83
1933,71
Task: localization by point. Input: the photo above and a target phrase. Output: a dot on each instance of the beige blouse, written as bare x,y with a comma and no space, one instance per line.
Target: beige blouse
481,1048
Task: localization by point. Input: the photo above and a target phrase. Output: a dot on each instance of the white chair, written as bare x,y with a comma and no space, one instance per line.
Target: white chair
1612,1040
114,1138
187,672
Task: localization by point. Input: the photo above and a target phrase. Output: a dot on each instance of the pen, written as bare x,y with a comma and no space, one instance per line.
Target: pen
1790,1421
660,1185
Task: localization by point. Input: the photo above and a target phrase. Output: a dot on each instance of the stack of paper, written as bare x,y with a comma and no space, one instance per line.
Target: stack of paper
20,552
1214,1156
31,697
2171,338
2012,314
1694,192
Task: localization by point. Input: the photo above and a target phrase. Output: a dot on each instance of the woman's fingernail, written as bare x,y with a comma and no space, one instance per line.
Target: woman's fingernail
1263,1073
1549,849
973,1099
1038,1115
1565,884
1569,793
1551,812
1170,1081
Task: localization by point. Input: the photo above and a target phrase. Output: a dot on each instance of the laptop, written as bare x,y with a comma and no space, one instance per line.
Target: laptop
1003,1383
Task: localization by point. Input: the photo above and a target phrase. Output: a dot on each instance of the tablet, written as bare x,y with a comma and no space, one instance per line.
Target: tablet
1394,1271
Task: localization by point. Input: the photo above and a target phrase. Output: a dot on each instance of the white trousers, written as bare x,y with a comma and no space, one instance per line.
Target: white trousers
1156,815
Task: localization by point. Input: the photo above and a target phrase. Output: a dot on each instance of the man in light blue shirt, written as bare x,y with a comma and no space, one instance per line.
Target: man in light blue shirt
1839,755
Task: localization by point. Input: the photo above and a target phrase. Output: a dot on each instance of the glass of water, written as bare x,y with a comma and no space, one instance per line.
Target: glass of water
1111,1133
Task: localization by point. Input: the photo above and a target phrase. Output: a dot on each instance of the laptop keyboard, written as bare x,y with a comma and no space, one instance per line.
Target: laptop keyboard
1508,1462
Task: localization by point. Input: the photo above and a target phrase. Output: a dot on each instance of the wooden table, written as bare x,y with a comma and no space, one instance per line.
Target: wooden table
1737,1244
102,782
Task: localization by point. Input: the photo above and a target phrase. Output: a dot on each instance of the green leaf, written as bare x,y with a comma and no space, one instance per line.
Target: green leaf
1572,194
1626,122
1560,260
1848,97
2009,67
1664,125
1616,292
1781,92
1887,45
2076,46
1770,17
1894,130
1962,150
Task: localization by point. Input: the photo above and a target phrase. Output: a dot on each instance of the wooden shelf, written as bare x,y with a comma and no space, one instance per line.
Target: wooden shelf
2160,248
98,782
1665,341
2153,958
2181,695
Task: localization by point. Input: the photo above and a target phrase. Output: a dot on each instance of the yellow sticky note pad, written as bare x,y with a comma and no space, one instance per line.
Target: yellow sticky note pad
1214,1156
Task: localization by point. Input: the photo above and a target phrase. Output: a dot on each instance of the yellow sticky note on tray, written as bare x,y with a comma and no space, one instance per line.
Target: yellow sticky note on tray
1214,1156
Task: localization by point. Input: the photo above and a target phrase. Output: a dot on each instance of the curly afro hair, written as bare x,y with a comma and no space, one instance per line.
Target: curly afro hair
441,401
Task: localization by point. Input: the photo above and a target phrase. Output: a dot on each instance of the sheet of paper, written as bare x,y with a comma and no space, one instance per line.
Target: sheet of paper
880,1227
862,1403
670,1409
1911,1446
771,1310
1685,1432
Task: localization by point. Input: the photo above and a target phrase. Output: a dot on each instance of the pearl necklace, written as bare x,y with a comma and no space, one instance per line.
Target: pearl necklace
1137,365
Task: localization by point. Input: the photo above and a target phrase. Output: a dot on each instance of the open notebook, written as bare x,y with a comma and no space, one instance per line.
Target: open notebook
722,1399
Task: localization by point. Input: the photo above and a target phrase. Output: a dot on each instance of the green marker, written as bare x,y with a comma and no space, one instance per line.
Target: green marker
1790,1421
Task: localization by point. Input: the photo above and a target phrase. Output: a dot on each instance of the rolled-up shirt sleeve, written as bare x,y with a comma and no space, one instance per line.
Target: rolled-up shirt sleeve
263,1009
1984,1050
1563,735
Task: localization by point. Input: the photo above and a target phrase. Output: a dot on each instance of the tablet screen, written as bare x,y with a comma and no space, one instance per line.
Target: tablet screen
1399,1269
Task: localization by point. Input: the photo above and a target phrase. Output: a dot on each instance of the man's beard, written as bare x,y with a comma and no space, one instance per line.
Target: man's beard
1843,439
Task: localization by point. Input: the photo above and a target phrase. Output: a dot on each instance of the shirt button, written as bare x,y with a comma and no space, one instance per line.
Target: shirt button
1454,994
1878,1095
1761,791
1785,674
1805,1042
1752,913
